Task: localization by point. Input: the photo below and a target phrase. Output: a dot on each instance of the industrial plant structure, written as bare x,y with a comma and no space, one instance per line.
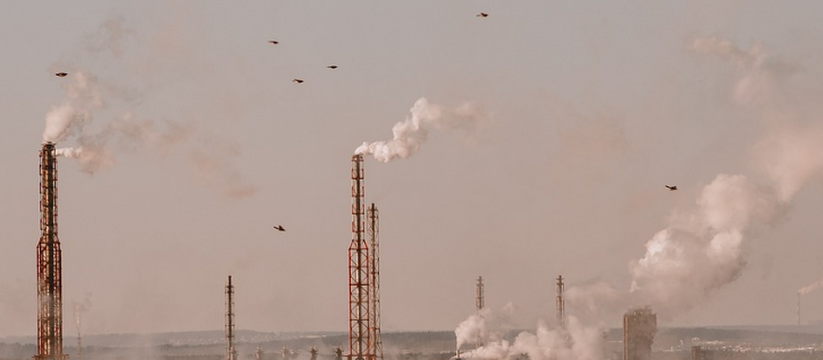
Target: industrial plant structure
639,327
480,298
365,341
374,237
560,303
49,264
231,351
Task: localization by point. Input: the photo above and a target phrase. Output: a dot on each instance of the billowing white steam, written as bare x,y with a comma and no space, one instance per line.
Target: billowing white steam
811,287
573,341
82,98
409,134
96,146
702,249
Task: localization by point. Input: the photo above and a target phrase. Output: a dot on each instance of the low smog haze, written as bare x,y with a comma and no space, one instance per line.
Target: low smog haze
532,142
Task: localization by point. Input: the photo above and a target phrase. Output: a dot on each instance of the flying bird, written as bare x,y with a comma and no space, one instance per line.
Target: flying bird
61,74
273,42
482,14
671,187
297,81
332,67
280,228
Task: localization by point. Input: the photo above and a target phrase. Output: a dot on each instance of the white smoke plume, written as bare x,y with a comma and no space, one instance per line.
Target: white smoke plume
485,326
82,98
424,116
96,145
811,287
574,341
701,250
758,73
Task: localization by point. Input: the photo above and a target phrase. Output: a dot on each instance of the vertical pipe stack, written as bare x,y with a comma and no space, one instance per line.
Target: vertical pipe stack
480,300
561,303
480,303
374,237
231,352
49,271
359,314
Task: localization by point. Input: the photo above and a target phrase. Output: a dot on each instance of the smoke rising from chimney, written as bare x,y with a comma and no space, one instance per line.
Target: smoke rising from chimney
811,287
86,96
424,116
572,341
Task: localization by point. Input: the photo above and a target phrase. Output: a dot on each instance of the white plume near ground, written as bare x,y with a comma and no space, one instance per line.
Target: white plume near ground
411,133
572,341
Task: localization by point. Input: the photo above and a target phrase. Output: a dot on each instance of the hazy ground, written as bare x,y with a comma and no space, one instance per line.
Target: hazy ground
774,342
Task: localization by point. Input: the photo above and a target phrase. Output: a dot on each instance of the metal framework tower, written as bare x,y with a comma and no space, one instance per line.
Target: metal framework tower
561,303
374,237
79,339
480,301
360,344
49,264
231,352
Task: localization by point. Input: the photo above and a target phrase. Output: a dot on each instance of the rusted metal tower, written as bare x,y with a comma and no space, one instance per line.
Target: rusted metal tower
374,237
480,300
561,303
79,338
49,264
360,344
480,303
231,352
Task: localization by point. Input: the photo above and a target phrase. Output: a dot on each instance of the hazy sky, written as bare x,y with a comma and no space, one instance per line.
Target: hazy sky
584,110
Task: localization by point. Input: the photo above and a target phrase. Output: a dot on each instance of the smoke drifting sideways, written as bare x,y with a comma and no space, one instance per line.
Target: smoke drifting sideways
414,131
702,248
811,287
86,96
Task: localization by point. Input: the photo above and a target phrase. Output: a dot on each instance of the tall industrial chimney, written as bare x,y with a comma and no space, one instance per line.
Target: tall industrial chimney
360,344
639,328
374,237
480,299
231,352
561,303
49,271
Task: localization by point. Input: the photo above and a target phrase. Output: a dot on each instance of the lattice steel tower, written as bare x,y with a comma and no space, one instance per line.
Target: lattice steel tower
374,237
49,264
231,352
360,345
561,303
480,300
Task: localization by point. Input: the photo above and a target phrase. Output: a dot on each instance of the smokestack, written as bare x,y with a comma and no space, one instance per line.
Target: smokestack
374,235
49,264
480,300
231,352
639,327
798,309
560,303
360,344
480,303
79,339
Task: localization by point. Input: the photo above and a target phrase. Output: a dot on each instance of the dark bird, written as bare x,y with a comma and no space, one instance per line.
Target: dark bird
482,15
297,81
332,67
61,74
671,187
280,228
273,42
